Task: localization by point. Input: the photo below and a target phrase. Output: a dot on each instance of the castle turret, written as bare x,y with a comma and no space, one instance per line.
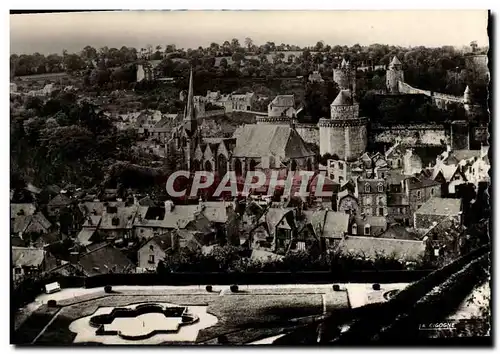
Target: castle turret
344,76
394,74
343,134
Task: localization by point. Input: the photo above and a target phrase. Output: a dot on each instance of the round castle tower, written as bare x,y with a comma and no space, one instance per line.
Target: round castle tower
343,134
393,75
344,76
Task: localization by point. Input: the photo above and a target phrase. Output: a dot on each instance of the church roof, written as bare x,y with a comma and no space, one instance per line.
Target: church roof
344,98
270,140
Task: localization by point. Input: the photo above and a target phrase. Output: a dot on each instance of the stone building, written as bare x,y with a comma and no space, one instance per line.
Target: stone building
282,106
372,196
436,209
271,147
394,75
344,76
344,134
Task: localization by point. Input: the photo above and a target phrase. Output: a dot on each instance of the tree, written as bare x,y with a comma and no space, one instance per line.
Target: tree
235,44
248,42
319,46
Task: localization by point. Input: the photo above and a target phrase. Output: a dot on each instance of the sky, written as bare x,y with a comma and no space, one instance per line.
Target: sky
51,33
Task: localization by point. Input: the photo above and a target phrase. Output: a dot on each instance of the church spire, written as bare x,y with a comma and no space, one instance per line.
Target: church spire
190,112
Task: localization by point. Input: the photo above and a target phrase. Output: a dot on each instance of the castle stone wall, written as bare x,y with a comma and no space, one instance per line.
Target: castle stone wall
308,132
418,134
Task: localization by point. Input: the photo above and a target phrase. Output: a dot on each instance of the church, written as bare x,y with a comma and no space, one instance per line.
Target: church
253,146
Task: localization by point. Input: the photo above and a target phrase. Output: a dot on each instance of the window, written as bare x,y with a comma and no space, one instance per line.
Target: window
382,175
380,188
151,258
432,191
341,166
381,211
332,176
367,229
17,271
354,229
367,188
301,246
151,247
419,194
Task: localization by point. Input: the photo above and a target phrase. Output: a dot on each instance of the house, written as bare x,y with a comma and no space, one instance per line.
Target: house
102,259
30,261
154,250
372,196
368,225
435,209
57,203
117,222
25,225
89,234
274,230
420,190
282,106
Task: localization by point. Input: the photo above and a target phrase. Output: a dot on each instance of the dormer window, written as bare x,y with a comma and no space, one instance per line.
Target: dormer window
354,229
367,188
380,188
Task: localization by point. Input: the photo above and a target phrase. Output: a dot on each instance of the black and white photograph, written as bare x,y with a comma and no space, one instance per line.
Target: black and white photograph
250,178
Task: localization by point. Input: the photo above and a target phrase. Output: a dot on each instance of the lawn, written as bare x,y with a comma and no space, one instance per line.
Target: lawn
242,317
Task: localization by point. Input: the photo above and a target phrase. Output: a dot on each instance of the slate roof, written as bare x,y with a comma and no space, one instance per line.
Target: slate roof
418,183
27,208
103,259
164,241
30,223
399,232
440,206
283,101
344,98
448,171
372,220
270,140
31,188
336,224
85,235
88,207
27,257
273,216
461,155
124,216
59,200
217,211
371,247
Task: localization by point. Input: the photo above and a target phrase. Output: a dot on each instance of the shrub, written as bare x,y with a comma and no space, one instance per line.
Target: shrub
376,286
108,289
336,287
52,303
234,288
209,288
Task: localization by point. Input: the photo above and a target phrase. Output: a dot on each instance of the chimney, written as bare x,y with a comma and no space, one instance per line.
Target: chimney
74,257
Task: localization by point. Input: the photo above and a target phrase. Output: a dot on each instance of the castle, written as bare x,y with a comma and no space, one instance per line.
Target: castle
344,134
